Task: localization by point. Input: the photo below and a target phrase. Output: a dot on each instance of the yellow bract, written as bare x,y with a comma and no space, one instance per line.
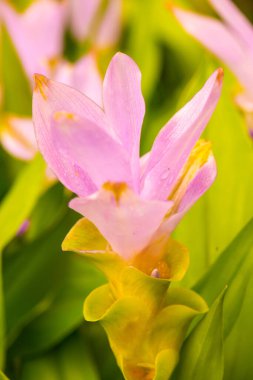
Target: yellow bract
145,319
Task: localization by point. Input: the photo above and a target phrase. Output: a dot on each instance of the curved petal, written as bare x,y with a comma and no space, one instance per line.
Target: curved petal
49,98
221,41
235,19
18,138
37,34
245,102
196,188
124,105
175,141
91,148
125,220
82,13
83,76
109,29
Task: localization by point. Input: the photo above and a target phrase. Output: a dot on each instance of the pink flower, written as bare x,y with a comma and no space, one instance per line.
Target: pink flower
231,40
94,152
37,34
17,133
88,21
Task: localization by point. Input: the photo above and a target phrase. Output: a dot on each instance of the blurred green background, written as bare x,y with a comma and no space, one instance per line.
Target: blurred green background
43,288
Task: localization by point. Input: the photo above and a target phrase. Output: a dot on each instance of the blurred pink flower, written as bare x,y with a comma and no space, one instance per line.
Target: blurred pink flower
37,33
231,40
94,152
17,133
90,21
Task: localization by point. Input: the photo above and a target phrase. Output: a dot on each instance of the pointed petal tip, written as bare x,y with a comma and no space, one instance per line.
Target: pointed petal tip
41,84
220,75
170,6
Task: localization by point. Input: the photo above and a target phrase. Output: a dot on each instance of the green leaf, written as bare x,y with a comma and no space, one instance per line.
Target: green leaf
202,353
19,202
2,319
14,209
232,268
54,201
2,376
36,270
65,312
70,361
239,343
14,79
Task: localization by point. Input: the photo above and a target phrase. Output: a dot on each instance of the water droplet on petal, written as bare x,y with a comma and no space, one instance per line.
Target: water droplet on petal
165,174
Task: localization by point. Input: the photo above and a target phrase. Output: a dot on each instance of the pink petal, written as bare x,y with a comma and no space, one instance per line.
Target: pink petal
82,13
175,141
124,105
83,76
110,27
50,97
71,134
245,102
37,34
235,19
196,188
125,220
17,137
89,146
221,41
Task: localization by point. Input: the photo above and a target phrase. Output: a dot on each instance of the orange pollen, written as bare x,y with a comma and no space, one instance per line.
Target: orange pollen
41,83
220,75
64,115
117,188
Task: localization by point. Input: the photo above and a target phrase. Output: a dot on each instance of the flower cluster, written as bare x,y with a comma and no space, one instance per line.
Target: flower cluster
231,40
95,153
38,37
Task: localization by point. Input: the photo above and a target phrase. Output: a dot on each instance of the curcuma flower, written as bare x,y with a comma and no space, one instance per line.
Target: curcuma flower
37,33
17,133
93,21
230,39
94,151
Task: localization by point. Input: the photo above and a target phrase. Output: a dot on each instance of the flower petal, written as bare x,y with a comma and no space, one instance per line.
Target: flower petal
83,76
235,19
37,34
221,41
18,138
196,188
125,220
91,148
50,97
82,13
124,105
109,29
175,141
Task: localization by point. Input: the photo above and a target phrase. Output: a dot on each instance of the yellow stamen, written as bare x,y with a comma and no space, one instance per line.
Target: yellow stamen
220,75
8,127
41,83
64,115
198,157
117,188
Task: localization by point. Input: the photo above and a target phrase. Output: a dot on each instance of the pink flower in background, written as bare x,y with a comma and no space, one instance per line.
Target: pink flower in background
230,39
17,133
37,33
89,20
94,151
